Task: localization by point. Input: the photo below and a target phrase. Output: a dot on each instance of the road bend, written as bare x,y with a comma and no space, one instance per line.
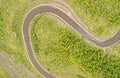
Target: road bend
77,27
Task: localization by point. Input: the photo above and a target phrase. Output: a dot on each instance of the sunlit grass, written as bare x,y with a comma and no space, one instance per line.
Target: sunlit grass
12,14
4,73
63,52
101,16
64,59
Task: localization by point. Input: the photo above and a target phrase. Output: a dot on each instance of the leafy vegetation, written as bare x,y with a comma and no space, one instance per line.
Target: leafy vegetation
66,54
101,16
12,13
58,48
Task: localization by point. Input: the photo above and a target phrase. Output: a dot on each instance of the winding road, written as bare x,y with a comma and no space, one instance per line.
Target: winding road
104,43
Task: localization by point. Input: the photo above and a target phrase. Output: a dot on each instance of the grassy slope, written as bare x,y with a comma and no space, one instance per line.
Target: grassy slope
3,73
63,52
101,16
12,13
11,17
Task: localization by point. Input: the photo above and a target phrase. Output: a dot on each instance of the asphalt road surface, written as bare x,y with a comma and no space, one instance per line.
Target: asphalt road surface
104,43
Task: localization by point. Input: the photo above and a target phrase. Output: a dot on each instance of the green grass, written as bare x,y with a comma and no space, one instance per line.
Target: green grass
12,13
101,16
4,73
65,56
63,52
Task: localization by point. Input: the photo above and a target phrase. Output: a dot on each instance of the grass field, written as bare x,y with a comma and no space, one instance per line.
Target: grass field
12,13
63,52
58,48
3,73
101,16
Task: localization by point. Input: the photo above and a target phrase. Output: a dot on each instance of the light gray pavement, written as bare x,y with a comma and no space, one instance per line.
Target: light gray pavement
104,43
